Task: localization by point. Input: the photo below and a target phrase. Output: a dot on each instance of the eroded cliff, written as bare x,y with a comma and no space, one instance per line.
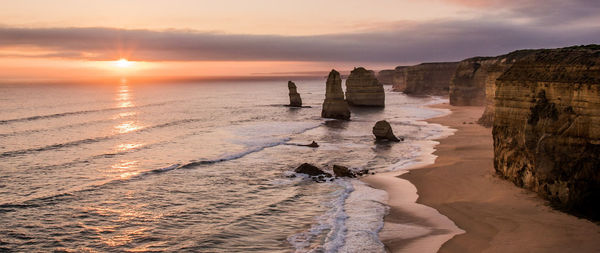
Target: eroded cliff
546,128
395,77
430,78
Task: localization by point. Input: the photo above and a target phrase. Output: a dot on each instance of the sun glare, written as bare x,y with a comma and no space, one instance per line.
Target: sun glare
123,63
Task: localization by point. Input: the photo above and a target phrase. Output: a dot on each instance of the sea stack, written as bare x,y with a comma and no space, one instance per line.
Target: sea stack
363,89
295,100
334,106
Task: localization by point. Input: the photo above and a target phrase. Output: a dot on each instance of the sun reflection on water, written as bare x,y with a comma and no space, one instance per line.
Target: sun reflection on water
127,127
128,146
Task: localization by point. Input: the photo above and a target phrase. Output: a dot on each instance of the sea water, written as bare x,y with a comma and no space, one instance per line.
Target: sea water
203,167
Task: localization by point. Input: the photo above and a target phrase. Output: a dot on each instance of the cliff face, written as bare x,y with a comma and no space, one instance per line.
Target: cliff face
430,78
363,89
468,85
395,77
335,106
494,70
547,126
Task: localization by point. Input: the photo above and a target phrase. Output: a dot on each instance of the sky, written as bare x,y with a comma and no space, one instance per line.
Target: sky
71,39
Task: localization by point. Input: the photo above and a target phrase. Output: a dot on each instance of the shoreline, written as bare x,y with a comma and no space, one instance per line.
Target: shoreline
461,184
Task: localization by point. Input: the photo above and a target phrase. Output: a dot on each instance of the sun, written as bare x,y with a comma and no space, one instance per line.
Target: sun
123,63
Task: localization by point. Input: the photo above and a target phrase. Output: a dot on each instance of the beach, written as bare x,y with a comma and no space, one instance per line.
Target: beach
496,215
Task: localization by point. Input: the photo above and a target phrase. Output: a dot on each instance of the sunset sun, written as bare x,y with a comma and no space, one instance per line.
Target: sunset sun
123,63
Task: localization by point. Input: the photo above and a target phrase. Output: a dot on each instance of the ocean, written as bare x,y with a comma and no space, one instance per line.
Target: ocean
200,167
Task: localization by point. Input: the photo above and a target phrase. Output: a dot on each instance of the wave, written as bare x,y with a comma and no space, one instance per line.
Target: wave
91,140
64,114
333,221
48,200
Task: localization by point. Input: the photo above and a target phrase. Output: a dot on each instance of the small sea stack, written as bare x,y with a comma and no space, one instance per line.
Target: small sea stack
295,100
383,131
334,106
363,89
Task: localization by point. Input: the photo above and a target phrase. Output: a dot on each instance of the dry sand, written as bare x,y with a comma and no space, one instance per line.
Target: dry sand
462,185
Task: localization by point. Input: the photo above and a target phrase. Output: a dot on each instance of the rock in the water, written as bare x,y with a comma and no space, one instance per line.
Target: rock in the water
383,130
342,171
334,106
295,99
363,89
311,170
313,145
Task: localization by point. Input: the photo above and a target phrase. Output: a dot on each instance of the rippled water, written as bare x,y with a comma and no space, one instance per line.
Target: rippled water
191,167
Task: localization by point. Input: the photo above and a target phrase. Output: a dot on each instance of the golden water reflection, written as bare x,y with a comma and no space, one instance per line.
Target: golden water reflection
128,146
126,169
126,127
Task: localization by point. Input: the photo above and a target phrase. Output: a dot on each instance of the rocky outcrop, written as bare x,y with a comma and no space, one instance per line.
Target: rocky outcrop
335,106
383,131
546,126
311,170
342,171
430,78
363,89
295,99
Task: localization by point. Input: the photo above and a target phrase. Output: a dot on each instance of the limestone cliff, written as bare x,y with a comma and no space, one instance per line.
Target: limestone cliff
395,77
546,128
467,86
334,105
363,89
429,78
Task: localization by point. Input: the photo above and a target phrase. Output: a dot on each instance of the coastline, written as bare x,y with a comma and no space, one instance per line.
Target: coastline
496,215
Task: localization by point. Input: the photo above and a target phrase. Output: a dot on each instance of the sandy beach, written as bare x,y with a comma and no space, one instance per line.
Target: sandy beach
496,216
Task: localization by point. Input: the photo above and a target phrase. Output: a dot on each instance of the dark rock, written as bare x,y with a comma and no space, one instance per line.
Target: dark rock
342,171
383,130
313,145
295,99
311,170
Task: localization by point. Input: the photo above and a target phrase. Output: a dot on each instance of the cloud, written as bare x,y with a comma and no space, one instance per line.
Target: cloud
540,12
441,40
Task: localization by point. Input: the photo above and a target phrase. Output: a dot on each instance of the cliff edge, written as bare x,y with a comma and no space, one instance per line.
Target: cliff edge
546,127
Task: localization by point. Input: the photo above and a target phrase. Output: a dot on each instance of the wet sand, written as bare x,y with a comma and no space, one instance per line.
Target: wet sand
496,215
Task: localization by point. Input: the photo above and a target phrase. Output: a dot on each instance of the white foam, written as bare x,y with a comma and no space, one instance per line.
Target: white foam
365,209
333,221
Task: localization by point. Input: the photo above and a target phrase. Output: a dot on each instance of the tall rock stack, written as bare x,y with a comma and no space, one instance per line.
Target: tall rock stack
334,106
547,126
363,89
295,100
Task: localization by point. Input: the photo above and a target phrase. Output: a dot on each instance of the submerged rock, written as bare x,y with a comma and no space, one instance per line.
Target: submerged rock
363,89
342,171
383,131
334,106
311,170
295,99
